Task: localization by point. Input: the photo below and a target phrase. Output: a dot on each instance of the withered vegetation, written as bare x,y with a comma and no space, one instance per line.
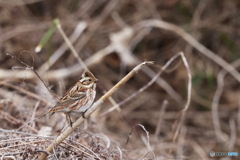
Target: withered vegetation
111,38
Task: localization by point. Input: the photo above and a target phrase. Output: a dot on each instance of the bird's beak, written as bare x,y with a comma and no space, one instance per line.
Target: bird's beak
97,80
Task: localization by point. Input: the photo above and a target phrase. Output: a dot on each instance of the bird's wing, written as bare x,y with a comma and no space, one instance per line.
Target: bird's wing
71,96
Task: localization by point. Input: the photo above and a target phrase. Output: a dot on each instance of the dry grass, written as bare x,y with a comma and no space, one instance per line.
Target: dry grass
111,38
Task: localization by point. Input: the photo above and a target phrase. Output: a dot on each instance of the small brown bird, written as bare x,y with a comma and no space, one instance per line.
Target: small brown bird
78,98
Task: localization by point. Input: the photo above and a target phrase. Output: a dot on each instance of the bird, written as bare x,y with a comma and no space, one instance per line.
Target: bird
79,98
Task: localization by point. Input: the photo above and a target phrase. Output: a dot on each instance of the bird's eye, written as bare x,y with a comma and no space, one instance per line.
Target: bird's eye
89,80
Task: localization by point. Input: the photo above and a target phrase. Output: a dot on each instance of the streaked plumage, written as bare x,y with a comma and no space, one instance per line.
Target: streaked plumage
78,98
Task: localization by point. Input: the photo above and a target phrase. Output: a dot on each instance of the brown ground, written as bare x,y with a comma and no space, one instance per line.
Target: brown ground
210,124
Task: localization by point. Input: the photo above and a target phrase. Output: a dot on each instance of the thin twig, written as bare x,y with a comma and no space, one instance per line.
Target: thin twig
161,114
15,153
147,133
147,154
146,143
181,142
80,61
23,133
94,155
215,116
33,95
233,136
189,88
21,29
31,68
34,112
199,150
9,118
23,144
23,138
18,121
215,102
120,152
238,116
86,149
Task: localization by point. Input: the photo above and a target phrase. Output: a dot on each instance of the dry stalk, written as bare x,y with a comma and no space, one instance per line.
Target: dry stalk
96,23
199,150
32,69
215,116
33,142
216,123
30,94
10,118
120,152
23,133
154,156
147,23
65,72
13,120
21,29
181,142
124,41
96,105
183,112
161,114
233,135
80,61
195,22
119,42
144,87
238,116
69,44
79,149
165,85
192,41
85,147
145,141
60,51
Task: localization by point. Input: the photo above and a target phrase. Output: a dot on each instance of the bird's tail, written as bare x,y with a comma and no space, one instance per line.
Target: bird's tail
43,114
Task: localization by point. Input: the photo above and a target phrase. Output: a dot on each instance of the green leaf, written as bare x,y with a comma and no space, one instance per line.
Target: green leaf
47,36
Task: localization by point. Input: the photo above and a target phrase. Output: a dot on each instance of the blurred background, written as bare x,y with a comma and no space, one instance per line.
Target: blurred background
112,37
